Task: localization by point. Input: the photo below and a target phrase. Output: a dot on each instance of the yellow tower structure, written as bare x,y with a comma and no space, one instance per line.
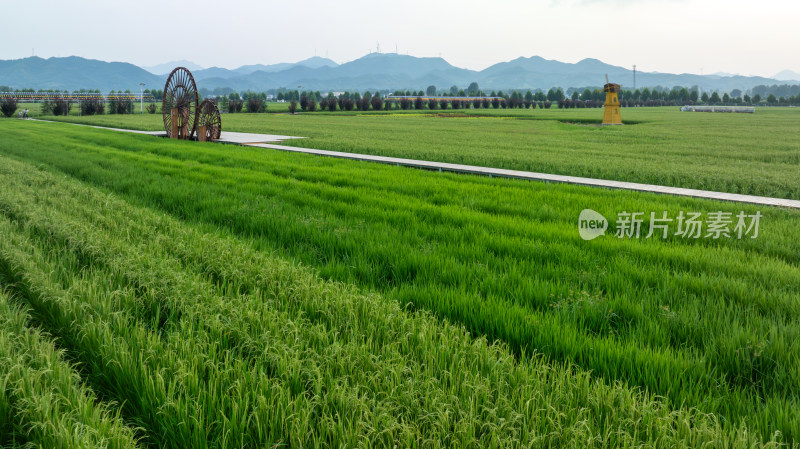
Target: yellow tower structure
611,114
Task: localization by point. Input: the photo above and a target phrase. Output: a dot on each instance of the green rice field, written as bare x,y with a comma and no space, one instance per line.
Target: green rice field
756,154
158,293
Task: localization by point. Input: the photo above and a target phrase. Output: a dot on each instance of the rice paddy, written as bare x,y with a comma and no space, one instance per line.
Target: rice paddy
755,154
176,294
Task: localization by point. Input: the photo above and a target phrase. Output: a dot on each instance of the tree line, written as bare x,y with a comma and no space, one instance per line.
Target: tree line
309,101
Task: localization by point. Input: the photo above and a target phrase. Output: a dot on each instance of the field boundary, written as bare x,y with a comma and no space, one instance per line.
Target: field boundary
261,141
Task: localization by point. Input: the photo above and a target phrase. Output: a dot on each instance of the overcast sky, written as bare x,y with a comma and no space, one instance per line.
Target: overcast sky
676,36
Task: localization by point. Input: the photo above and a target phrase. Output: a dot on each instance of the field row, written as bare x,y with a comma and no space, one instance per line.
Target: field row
202,341
705,323
756,154
42,400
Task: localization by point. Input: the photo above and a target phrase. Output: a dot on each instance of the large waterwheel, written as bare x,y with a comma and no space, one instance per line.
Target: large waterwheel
180,104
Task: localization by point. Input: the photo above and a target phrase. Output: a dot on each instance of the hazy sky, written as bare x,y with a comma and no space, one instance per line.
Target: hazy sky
736,36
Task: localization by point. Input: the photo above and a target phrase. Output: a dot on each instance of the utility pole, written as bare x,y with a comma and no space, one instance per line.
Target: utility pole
634,77
141,98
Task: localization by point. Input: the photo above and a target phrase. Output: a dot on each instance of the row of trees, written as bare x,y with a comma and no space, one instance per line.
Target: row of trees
728,100
233,102
93,106
419,103
366,102
255,102
782,90
56,106
50,91
553,94
156,93
589,98
310,101
679,96
676,94
63,105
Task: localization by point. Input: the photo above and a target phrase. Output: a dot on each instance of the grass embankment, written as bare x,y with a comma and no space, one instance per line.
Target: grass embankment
207,342
757,154
706,323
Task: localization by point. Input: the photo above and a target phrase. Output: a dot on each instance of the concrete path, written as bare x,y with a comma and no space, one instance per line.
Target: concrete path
267,141
225,137
533,176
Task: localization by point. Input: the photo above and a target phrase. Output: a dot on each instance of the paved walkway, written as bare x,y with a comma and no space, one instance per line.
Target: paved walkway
533,176
225,136
267,141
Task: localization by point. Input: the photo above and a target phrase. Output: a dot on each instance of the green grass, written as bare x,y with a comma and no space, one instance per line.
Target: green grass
207,342
756,154
703,323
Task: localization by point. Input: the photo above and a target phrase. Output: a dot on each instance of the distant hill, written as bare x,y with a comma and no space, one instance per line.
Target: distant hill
167,67
536,72
392,71
787,75
313,63
75,73
217,72
214,72
373,71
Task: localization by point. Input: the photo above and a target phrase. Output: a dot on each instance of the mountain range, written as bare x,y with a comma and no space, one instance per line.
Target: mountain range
74,73
375,71
165,68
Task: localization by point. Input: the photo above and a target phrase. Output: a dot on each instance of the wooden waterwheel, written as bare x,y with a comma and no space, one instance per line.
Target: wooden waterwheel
179,107
209,122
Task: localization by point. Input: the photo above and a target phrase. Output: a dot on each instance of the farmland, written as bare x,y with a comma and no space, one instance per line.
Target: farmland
221,290
753,154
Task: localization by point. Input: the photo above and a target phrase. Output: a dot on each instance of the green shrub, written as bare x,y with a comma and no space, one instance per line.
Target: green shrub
8,106
235,106
256,105
93,106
